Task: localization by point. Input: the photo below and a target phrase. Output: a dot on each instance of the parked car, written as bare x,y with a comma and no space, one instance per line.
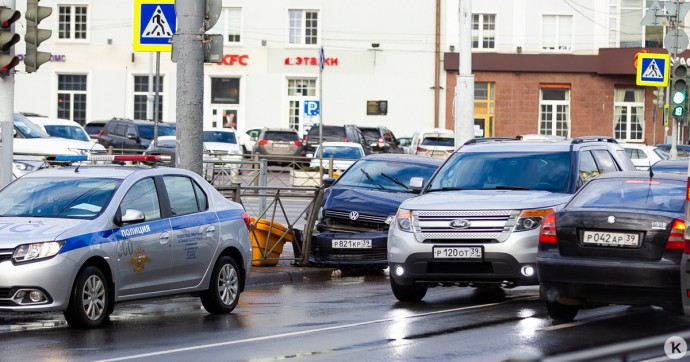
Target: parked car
344,154
167,147
644,156
420,135
279,145
127,134
105,235
23,164
223,146
64,128
673,166
344,133
436,145
94,129
353,225
476,222
405,143
381,139
618,241
683,151
30,139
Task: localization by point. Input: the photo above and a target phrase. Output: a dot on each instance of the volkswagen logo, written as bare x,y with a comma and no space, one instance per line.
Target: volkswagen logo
354,215
611,219
460,223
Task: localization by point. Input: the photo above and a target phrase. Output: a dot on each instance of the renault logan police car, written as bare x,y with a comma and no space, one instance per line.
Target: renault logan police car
79,239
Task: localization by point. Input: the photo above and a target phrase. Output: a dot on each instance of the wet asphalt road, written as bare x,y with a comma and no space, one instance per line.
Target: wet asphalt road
347,318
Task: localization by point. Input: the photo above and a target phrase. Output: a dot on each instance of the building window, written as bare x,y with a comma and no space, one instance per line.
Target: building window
230,25
628,118
483,31
300,90
225,90
484,109
72,22
557,33
71,97
303,27
141,94
634,35
554,111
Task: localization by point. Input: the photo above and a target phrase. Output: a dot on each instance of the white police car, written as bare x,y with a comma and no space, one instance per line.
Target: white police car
79,239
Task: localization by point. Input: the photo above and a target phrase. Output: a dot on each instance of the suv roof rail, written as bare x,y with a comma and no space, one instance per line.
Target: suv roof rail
490,139
584,139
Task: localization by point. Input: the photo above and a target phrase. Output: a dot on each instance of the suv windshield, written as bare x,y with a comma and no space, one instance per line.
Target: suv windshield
504,170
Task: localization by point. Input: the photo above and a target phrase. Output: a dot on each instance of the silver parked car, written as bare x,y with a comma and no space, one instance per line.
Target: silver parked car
78,240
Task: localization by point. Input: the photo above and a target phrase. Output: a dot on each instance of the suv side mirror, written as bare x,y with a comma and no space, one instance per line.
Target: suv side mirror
131,136
130,216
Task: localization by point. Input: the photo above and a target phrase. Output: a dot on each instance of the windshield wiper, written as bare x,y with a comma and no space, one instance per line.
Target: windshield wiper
397,182
509,188
371,179
448,188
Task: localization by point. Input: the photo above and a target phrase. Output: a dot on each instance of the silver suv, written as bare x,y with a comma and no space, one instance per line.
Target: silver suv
477,221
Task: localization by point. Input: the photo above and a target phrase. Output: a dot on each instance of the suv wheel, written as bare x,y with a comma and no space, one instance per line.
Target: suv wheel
561,312
408,293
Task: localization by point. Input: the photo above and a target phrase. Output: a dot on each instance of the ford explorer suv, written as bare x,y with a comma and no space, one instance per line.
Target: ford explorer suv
476,222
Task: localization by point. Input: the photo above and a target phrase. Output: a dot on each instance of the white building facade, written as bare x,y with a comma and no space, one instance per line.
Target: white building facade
379,67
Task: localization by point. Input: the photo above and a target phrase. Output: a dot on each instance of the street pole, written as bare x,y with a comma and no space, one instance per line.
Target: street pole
6,116
190,84
156,101
674,125
464,90
321,65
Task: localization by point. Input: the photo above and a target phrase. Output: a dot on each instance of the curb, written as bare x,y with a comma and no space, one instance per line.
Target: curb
287,274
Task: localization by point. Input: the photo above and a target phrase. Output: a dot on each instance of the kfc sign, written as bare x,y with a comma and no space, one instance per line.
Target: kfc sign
309,61
231,59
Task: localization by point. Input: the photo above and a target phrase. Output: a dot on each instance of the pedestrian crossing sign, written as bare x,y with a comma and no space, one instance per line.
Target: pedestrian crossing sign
155,24
652,69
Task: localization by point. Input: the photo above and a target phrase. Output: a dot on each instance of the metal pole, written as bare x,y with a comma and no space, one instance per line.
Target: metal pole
149,97
464,90
156,101
674,125
263,182
6,115
190,84
321,60
654,123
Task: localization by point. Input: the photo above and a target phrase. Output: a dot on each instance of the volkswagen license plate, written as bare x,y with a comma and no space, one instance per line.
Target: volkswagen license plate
458,252
351,244
604,238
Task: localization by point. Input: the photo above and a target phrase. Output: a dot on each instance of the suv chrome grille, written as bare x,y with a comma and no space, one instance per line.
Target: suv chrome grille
484,224
6,254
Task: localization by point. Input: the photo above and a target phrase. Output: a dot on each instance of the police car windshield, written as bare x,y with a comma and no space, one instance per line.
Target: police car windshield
547,171
72,198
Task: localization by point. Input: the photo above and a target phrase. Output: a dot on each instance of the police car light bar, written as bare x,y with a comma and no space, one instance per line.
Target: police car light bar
133,158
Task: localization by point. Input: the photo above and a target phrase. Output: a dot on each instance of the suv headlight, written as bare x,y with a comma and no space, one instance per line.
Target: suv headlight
405,220
531,219
36,251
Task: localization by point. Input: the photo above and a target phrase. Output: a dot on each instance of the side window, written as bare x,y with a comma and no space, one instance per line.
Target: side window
605,160
182,195
111,127
588,168
119,130
143,196
131,131
200,197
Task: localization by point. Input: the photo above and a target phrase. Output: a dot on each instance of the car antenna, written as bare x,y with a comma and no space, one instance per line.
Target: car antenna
76,170
651,173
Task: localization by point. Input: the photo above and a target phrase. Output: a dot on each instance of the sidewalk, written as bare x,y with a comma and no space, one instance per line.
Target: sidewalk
285,272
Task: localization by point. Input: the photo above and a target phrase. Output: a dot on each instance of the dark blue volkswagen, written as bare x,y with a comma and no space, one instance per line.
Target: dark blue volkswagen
352,230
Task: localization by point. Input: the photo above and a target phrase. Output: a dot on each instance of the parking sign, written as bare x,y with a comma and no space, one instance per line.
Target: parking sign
311,108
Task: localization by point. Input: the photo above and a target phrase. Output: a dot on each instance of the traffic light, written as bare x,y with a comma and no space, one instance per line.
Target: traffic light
679,91
658,97
8,39
35,36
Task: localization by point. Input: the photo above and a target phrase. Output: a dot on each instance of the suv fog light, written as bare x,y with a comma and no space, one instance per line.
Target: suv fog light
399,270
527,270
29,296
36,296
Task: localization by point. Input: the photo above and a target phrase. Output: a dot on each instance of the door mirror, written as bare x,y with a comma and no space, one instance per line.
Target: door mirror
416,184
131,136
131,216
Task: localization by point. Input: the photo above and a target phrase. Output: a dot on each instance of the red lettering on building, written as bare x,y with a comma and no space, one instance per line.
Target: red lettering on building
230,59
309,61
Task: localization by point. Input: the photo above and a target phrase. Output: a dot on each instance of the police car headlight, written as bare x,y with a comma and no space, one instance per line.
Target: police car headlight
36,251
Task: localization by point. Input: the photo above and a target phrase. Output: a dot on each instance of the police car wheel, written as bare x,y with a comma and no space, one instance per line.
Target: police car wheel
88,304
224,292
408,293
561,312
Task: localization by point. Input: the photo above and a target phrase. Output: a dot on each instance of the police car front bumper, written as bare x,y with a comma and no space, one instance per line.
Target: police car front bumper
52,277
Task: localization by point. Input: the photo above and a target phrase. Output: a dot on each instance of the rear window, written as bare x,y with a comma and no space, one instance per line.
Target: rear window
370,134
438,141
217,136
639,194
329,133
281,136
146,131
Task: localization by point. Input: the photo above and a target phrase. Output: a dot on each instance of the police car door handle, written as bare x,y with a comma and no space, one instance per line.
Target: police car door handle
210,231
164,238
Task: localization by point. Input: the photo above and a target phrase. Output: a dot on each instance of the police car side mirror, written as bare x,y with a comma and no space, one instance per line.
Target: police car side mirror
131,216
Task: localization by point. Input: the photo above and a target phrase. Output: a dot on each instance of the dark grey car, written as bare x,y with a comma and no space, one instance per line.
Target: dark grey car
279,145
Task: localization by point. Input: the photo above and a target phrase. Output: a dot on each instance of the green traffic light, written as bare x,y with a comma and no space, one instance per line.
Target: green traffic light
678,111
678,97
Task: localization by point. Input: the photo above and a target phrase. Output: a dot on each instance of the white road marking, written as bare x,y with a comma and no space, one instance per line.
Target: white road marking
292,334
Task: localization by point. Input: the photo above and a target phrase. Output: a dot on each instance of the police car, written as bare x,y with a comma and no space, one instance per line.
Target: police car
79,239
